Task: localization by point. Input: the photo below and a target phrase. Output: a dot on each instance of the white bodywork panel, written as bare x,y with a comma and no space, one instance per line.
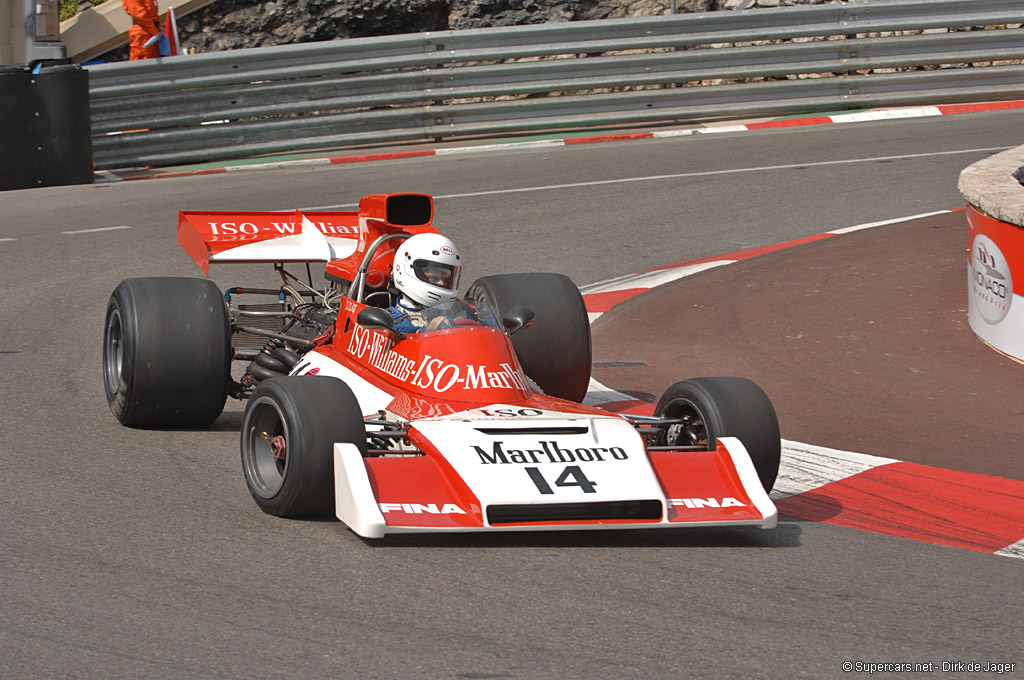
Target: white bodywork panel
354,502
504,468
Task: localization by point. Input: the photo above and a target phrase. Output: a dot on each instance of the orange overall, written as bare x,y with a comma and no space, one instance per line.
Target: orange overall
145,24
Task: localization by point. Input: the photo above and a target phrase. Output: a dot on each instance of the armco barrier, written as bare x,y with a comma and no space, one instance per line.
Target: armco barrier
495,81
995,270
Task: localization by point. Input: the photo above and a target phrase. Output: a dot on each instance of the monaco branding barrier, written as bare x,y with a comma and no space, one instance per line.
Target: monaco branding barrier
995,269
499,81
995,284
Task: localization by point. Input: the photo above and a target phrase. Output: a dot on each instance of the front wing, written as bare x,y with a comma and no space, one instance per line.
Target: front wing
421,494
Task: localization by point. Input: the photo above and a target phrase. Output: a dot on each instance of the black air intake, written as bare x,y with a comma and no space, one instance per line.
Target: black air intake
574,512
538,431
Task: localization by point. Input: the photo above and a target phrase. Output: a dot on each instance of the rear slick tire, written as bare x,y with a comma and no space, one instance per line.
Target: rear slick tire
555,352
166,352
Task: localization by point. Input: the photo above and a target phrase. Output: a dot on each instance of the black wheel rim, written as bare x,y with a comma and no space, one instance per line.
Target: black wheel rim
264,472
113,351
692,431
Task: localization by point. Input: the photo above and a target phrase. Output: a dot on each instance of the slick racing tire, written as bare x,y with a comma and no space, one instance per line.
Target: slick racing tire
725,407
166,352
288,435
555,352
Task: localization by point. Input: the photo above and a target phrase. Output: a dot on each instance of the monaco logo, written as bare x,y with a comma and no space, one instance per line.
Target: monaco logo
991,283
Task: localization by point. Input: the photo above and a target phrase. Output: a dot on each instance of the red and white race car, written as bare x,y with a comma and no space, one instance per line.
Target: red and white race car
477,427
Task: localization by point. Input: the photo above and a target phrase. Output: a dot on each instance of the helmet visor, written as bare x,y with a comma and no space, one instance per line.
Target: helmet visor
436,273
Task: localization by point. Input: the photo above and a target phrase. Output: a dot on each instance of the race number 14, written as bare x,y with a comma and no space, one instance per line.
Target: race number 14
572,475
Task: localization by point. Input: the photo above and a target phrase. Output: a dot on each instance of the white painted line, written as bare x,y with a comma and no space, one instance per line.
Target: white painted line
536,144
279,165
1014,550
721,128
108,176
661,134
859,227
890,114
93,231
7,239
651,279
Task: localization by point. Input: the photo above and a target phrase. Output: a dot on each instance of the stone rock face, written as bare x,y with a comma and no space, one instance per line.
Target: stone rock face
234,24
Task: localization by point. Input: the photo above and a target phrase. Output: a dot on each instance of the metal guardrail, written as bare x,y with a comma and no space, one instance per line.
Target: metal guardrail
493,81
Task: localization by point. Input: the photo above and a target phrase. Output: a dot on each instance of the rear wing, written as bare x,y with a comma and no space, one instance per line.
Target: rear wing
237,237
234,237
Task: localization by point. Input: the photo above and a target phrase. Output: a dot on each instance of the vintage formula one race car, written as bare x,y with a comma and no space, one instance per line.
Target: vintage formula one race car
476,426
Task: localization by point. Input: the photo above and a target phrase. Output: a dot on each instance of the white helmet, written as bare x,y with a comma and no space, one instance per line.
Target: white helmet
427,268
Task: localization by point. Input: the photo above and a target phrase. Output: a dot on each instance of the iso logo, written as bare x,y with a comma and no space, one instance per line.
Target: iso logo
991,284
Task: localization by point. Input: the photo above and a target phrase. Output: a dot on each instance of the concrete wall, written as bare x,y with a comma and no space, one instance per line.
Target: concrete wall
994,186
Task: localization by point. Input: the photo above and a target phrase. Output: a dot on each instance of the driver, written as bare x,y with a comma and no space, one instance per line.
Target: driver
426,273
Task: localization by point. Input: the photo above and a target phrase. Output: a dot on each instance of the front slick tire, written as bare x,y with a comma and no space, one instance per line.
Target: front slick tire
725,407
166,352
288,435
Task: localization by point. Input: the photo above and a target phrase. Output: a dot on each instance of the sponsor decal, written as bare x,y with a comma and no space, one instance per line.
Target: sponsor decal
991,283
549,452
508,412
375,349
250,229
422,508
442,377
696,503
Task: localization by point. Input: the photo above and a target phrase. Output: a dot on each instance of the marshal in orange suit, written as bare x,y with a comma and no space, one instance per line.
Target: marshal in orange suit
145,24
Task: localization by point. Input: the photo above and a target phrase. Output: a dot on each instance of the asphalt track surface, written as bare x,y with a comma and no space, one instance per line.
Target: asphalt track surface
138,553
880,312
875,329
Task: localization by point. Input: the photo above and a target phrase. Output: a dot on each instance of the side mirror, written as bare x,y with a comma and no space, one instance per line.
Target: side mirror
518,318
376,319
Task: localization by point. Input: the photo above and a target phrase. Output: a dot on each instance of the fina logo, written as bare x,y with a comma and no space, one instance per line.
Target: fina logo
991,283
